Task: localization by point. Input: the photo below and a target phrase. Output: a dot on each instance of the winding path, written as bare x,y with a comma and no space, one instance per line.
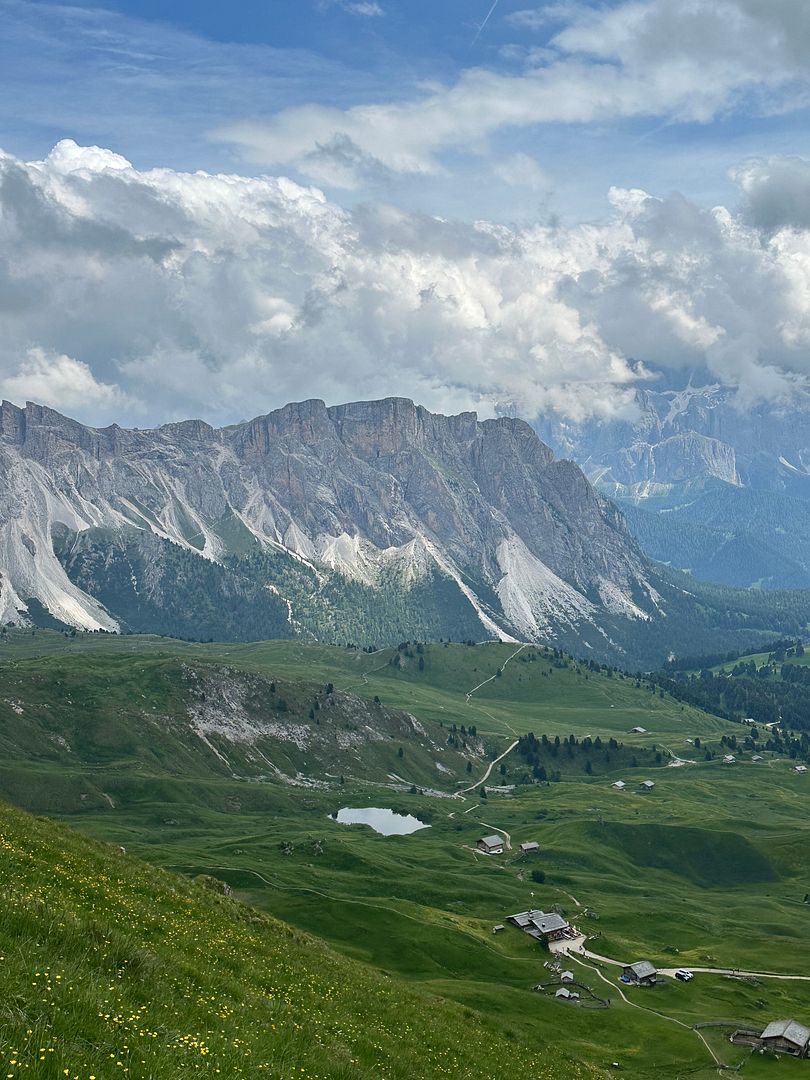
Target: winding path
460,794
364,675
701,970
738,973
635,1005
500,669
463,791
507,836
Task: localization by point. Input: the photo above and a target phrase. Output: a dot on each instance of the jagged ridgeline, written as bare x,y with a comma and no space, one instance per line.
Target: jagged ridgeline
707,486
111,967
372,522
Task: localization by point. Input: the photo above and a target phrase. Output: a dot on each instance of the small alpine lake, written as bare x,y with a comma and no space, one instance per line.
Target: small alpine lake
383,821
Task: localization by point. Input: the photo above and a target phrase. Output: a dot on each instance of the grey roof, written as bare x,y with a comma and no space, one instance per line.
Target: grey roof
523,918
491,841
619,783
642,968
563,993
567,976
547,923
647,783
532,845
787,1029
536,921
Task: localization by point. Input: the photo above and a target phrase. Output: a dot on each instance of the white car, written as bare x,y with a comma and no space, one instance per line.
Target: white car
684,975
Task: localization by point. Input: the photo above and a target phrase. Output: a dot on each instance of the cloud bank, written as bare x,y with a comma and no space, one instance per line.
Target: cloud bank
685,62
149,296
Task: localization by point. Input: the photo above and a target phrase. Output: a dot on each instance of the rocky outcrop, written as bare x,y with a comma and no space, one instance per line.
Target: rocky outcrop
370,491
689,436
729,484
644,467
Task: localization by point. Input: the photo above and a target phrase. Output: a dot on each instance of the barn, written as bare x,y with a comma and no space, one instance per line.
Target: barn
642,973
786,1037
491,845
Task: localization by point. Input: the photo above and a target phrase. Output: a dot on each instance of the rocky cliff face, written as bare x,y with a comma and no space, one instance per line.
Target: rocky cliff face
707,486
380,495
689,436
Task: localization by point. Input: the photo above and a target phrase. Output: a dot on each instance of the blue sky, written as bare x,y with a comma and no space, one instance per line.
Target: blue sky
167,91
354,198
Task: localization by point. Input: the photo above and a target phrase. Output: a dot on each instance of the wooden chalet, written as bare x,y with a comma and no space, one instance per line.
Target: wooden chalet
642,973
786,1037
491,845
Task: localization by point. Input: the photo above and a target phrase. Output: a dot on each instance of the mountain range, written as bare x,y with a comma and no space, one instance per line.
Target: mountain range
706,484
370,522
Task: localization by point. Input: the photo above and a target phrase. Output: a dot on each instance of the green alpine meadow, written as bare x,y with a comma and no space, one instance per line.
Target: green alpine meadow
193,885
112,968
405,540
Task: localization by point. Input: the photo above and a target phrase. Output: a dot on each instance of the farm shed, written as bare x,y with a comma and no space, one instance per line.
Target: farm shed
646,785
529,847
491,845
786,1037
619,785
642,973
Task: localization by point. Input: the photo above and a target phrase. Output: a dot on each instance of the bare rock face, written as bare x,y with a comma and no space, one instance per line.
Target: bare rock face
371,492
691,435
678,459
709,484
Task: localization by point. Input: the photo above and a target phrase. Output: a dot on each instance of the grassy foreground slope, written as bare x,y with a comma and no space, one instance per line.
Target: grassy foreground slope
110,967
708,870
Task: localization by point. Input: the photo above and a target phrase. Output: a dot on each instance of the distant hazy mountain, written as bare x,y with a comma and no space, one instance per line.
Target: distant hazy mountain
706,486
370,522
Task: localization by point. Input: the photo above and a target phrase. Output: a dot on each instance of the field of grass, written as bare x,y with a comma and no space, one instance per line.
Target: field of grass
655,882
710,869
530,694
111,968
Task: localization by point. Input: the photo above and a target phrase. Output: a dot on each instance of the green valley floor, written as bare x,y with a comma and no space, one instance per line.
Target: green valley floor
708,870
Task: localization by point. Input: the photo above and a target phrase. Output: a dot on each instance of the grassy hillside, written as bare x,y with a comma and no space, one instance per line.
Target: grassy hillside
112,968
708,870
536,685
165,714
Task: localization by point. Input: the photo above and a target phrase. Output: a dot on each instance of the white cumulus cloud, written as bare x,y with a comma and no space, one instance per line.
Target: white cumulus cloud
154,295
61,382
